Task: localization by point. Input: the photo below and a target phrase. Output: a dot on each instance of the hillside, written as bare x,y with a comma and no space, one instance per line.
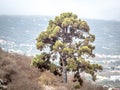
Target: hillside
17,74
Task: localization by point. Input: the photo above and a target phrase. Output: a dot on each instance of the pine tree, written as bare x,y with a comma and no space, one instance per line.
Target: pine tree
68,41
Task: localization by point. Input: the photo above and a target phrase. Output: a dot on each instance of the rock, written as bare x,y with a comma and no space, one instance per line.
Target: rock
2,86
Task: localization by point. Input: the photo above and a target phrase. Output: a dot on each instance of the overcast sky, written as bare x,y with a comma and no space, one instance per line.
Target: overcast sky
97,9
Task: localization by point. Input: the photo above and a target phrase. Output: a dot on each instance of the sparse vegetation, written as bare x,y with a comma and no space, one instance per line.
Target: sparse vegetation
77,86
48,78
17,74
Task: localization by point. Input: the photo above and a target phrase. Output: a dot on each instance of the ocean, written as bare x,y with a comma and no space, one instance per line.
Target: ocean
18,34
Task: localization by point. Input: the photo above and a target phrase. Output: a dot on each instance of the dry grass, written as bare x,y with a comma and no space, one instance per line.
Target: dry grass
88,85
48,78
16,72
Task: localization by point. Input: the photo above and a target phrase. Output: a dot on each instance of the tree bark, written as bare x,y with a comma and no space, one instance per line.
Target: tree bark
64,72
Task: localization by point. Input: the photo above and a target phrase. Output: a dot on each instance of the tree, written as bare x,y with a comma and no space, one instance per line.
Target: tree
68,40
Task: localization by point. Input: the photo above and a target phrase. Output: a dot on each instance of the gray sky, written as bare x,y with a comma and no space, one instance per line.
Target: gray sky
97,9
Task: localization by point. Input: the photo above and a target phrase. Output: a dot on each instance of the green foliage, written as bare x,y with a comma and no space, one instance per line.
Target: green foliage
36,60
71,64
68,51
40,45
53,67
77,86
84,50
91,38
58,46
69,38
66,22
84,26
41,61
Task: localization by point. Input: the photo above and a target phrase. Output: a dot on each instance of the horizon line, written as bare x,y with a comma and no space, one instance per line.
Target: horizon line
56,15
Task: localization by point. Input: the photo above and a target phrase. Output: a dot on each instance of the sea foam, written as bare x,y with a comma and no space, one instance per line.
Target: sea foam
107,56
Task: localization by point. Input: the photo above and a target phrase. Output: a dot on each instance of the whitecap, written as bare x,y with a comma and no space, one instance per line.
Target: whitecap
115,77
101,78
2,42
15,51
26,45
107,56
105,48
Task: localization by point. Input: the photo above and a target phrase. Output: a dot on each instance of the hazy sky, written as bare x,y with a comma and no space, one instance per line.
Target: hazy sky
97,9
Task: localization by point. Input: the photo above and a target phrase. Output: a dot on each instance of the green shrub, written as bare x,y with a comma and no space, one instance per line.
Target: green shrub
77,86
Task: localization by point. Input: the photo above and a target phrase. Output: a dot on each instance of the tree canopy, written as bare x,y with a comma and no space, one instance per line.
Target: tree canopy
68,41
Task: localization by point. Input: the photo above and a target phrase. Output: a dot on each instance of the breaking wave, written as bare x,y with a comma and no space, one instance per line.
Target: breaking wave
3,42
107,56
